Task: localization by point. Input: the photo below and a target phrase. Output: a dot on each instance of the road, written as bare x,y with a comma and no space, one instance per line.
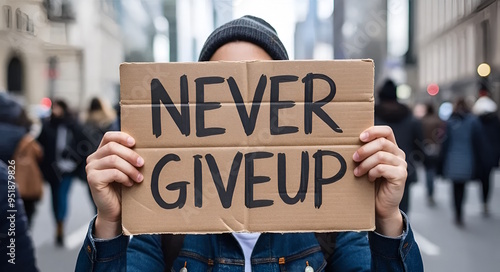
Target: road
51,258
444,247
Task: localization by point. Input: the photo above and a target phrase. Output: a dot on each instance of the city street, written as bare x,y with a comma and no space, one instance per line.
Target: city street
55,259
444,247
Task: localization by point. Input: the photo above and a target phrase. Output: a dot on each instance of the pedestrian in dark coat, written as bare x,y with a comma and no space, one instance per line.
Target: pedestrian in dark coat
461,150
60,138
19,145
16,246
16,250
10,130
433,130
486,109
407,130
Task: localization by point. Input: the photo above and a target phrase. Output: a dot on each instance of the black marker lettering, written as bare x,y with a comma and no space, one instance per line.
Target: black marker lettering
159,94
225,195
304,176
198,186
276,105
319,181
310,106
180,185
251,180
202,106
248,121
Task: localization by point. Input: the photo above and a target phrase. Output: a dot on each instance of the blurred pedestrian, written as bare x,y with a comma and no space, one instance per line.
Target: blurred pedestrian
20,146
461,153
16,246
59,137
407,130
28,155
100,118
486,109
433,130
10,130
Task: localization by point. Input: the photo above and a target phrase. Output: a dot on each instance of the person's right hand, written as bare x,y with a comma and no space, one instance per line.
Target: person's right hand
113,164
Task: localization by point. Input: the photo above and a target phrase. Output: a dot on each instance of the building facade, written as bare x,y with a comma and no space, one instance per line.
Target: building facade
60,49
26,45
452,38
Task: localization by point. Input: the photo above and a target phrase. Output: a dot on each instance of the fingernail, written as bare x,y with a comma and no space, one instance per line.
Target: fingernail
364,136
355,157
356,171
140,177
140,161
130,141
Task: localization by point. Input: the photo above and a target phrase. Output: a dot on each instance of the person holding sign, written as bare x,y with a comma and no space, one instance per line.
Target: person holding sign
391,247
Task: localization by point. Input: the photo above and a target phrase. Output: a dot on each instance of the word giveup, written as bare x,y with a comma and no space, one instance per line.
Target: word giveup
226,193
181,119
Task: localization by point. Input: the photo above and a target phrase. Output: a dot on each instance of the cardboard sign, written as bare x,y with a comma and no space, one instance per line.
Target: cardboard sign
262,146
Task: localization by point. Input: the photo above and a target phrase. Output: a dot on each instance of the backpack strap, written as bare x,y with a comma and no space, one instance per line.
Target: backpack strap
171,245
327,241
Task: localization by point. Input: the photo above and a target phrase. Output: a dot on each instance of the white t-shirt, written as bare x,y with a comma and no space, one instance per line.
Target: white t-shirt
247,242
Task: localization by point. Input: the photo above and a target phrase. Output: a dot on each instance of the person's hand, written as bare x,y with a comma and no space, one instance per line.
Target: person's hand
113,164
381,159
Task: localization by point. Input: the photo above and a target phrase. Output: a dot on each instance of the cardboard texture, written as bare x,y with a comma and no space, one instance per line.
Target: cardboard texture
261,146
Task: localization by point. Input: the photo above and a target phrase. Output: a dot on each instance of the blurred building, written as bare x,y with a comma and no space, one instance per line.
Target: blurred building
96,31
360,31
194,22
314,34
145,31
191,21
67,49
29,41
452,38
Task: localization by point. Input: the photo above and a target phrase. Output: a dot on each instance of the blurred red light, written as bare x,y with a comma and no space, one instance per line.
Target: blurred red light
433,89
46,102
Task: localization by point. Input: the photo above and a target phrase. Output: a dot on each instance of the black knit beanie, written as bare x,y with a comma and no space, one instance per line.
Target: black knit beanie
247,28
388,91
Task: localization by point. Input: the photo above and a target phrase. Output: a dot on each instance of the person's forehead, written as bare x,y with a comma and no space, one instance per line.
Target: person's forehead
240,50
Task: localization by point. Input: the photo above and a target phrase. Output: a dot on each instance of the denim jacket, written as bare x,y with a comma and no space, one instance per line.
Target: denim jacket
354,251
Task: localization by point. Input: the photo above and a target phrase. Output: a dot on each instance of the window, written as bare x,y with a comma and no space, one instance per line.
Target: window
30,27
60,10
15,76
8,15
485,40
19,19
24,21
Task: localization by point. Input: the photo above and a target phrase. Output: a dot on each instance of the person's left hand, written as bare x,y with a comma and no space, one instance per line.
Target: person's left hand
384,162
